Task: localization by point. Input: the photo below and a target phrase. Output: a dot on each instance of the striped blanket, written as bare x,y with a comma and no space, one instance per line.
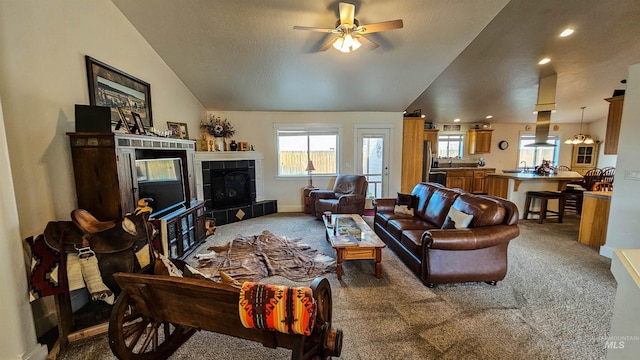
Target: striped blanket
290,310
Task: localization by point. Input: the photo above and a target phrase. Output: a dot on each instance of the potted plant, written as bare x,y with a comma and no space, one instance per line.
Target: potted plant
219,129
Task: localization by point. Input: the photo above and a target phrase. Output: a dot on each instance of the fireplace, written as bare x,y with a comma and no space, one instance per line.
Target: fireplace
230,184
230,187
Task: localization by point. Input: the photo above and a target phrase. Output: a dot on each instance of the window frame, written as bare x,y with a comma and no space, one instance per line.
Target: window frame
307,129
458,137
556,138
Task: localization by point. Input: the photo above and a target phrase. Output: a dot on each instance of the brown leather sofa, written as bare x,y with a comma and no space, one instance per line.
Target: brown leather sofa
436,255
347,197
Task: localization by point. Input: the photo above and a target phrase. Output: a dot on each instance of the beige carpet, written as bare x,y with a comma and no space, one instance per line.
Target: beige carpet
555,303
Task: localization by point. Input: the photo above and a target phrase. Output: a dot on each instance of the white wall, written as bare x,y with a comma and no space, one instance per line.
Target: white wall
42,77
624,228
258,129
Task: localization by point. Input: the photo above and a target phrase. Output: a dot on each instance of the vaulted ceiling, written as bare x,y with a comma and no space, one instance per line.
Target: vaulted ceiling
453,59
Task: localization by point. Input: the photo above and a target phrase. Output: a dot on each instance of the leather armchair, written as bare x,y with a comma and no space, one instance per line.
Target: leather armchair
347,197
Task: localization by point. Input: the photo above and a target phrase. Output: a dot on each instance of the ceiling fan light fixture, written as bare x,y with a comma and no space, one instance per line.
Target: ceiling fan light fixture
347,43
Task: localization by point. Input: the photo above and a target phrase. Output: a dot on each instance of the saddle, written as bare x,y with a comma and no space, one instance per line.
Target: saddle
114,243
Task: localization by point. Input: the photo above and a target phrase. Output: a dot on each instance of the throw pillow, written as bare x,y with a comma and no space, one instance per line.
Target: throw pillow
402,210
406,199
456,219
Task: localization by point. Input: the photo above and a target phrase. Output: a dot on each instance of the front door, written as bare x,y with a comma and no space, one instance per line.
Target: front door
372,161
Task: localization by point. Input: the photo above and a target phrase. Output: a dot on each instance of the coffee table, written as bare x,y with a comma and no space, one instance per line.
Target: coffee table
368,247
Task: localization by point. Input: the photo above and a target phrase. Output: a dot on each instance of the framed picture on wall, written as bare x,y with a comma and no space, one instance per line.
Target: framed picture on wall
113,88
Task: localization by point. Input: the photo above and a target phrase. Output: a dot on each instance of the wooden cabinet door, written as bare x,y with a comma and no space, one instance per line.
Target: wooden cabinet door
479,141
432,136
613,124
480,180
128,185
462,179
412,144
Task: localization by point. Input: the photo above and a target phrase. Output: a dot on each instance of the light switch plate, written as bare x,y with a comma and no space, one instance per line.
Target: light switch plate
632,175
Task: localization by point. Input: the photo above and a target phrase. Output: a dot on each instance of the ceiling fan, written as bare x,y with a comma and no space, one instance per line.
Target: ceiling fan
351,33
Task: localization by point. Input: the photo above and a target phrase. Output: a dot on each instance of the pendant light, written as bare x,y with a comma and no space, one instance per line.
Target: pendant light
580,138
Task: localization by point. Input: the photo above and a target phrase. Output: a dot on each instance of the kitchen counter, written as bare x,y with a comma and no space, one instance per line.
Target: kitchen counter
514,186
437,169
562,178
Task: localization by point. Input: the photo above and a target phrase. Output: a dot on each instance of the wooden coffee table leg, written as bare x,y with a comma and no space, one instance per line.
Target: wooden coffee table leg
339,263
378,263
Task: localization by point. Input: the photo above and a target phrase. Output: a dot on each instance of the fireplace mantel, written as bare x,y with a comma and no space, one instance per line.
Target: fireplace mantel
201,156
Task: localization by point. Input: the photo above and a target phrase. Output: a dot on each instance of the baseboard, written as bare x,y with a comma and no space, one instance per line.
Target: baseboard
39,352
606,251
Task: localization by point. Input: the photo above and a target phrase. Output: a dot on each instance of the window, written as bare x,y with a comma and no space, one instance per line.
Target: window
533,155
297,146
450,146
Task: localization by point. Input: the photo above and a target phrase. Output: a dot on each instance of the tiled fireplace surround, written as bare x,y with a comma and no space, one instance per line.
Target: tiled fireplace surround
205,162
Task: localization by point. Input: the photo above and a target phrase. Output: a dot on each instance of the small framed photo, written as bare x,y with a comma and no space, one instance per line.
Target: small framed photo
123,122
178,130
139,124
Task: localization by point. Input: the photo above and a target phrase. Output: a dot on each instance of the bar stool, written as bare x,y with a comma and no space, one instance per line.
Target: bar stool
544,197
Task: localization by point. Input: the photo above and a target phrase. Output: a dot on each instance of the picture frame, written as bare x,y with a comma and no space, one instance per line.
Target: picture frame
178,130
123,122
140,125
116,89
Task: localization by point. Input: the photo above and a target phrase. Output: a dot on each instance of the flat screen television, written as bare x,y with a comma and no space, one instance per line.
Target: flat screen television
161,180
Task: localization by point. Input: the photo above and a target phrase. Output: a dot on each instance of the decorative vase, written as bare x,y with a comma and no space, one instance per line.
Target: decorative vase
220,144
233,146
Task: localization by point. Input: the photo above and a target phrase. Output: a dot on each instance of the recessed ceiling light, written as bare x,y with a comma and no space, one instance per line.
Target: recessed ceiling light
544,61
456,120
566,32
489,117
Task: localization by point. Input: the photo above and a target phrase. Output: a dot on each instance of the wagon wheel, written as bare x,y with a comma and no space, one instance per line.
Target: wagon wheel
324,341
135,336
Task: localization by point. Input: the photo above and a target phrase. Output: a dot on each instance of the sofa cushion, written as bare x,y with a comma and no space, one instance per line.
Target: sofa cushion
456,219
412,240
438,206
485,211
422,192
395,227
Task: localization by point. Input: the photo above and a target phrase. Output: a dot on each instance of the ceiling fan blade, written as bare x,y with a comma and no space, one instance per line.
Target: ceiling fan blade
367,43
327,44
316,29
381,26
347,12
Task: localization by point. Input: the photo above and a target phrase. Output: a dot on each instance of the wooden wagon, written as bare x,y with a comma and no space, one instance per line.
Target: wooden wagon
156,314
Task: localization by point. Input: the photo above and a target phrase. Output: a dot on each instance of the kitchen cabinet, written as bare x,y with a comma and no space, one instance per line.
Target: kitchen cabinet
480,181
462,179
613,124
412,148
595,218
479,141
473,181
432,136
584,157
